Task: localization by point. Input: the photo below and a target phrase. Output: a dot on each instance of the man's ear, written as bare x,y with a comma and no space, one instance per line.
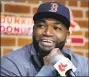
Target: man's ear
33,27
68,34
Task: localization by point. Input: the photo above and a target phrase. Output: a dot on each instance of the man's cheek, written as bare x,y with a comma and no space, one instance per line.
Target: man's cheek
36,33
37,37
61,38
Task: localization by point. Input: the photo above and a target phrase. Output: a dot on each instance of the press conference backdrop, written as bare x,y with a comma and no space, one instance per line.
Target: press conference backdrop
16,24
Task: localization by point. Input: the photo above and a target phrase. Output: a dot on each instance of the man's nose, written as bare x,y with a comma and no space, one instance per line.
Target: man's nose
49,31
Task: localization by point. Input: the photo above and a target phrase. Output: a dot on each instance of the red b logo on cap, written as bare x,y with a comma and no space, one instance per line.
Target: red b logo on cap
54,7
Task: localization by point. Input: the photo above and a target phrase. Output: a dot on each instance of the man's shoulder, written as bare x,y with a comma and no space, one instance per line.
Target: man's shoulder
19,54
79,57
81,63
74,56
17,60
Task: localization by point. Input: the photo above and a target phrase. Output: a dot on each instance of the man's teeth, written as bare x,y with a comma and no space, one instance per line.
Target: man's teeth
50,41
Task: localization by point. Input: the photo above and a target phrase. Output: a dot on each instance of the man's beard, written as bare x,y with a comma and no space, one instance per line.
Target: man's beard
41,51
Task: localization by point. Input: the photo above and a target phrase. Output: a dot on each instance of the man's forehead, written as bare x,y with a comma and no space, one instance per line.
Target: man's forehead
48,19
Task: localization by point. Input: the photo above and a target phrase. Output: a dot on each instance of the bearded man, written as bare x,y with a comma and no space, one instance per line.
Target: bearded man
50,32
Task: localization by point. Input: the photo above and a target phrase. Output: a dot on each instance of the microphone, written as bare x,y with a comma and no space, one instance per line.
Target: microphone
70,73
64,66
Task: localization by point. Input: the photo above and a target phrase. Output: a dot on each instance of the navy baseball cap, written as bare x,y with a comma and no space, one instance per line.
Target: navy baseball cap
53,10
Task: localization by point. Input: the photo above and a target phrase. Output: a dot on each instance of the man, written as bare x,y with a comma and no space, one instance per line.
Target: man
50,32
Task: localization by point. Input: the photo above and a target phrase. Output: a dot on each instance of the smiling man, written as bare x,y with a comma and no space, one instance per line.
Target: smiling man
48,34
46,55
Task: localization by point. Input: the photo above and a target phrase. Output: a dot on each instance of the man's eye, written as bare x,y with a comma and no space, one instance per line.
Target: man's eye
57,28
40,26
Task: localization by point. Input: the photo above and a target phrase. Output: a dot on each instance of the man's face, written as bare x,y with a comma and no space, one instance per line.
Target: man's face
48,34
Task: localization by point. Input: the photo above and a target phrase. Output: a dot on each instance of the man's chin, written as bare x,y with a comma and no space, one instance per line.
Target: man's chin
46,49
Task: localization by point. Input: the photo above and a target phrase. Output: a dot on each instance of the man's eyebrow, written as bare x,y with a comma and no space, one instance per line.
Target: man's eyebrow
41,20
58,22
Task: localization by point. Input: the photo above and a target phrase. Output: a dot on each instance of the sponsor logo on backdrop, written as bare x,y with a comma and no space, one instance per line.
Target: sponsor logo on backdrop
16,25
74,40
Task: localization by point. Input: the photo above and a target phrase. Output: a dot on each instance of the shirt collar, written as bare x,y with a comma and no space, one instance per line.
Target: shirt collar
33,51
67,52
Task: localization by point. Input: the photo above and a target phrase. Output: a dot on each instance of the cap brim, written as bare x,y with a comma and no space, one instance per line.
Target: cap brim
53,15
